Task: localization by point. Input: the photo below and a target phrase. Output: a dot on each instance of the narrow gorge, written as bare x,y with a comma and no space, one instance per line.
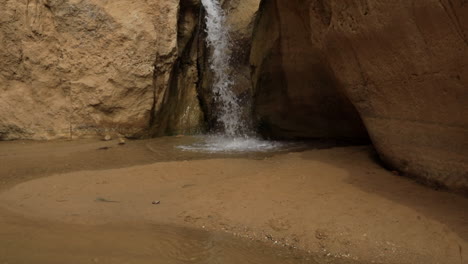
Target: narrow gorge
265,112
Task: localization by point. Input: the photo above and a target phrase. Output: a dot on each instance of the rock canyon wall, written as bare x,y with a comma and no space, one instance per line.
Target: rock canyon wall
394,70
402,64
73,68
296,94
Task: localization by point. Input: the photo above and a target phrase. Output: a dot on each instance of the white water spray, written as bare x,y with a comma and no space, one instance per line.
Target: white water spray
236,135
218,39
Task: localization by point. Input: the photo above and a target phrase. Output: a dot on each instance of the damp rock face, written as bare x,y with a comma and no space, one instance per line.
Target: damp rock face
77,68
72,69
403,65
177,109
185,101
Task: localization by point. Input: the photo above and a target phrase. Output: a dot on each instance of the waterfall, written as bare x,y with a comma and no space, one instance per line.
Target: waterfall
237,137
230,111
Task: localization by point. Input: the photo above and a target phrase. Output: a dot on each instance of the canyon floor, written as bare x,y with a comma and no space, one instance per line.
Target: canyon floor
91,201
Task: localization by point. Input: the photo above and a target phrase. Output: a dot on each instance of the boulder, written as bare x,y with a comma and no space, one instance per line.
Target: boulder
80,68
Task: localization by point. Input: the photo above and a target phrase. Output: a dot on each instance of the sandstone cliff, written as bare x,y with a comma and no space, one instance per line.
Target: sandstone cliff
70,69
296,93
395,70
403,65
75,68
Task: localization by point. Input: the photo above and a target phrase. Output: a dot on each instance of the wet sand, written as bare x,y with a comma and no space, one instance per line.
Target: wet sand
338,204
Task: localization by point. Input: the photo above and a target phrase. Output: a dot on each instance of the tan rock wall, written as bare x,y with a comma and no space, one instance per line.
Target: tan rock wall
404,66
75,68
296,93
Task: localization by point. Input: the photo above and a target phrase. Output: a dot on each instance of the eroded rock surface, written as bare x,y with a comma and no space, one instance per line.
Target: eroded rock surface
179,111
75,68
403,64
71,68
296,95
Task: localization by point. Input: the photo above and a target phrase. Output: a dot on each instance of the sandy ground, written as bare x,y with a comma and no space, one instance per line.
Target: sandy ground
336,202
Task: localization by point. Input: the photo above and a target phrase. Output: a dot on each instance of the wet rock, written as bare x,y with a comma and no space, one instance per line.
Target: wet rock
240,16
178,109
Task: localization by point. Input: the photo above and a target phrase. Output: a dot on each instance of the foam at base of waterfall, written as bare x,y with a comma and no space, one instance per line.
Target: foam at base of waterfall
225,144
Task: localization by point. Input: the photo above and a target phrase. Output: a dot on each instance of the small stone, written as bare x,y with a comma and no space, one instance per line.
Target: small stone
156,202
320,234
121,141
107,138
103,148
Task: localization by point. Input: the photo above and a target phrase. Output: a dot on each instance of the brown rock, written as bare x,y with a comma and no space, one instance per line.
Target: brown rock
121,141
178,110
296,95
74,68
403,64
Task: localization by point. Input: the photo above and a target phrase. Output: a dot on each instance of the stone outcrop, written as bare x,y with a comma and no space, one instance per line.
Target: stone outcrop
76,68
179,111
403,65
73,69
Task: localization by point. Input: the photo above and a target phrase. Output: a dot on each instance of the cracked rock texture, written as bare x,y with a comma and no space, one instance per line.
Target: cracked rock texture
72,68
403,65
77,68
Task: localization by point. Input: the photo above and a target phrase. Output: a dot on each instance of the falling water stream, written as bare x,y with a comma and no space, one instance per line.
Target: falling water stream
236,135
218,39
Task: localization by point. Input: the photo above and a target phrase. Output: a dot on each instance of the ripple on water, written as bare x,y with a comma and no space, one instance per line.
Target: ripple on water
225,144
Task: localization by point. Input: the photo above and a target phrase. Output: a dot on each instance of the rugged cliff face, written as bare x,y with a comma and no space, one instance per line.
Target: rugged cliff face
403,65
70,68
75,68
395,69
177,107
188,104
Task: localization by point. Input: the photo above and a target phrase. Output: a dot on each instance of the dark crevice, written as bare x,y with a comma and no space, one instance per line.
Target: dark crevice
180,79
